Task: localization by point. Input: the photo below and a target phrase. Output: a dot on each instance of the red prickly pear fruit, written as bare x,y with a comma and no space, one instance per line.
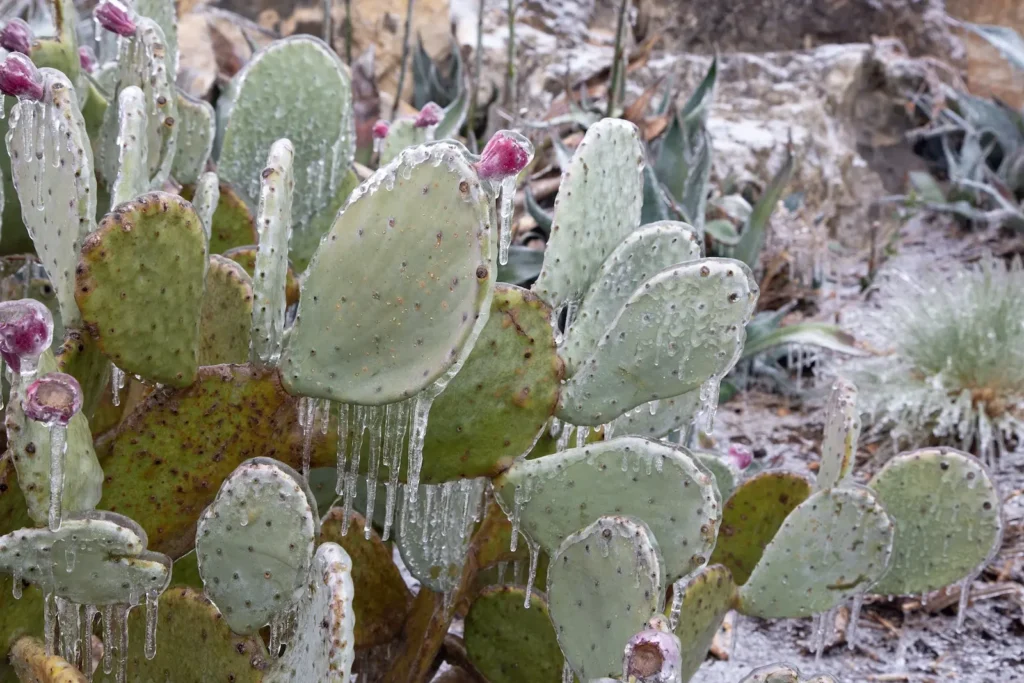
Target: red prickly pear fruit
20,78
53,399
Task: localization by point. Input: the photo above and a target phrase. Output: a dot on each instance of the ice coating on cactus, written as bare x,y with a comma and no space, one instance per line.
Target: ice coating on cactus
834,545
142,61
274,223
51,163
115,17
132,177
20,78
401,135
681,330
30,445
652,656
164,13
699,605
948,519
139,285
255,543
604,583
205,200
839,441
657,419
506,154
16,36
400,286
226,313
323,645
781,673
196,129
26,331
266,102
598,205
87,59
430,115
720,469
641,256
551,497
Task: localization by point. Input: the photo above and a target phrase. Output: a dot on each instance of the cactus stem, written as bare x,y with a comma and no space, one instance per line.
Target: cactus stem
405,58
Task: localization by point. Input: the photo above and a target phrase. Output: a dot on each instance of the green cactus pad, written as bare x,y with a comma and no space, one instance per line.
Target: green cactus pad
631,476
28,444
493,410
265,102
205,199
839,441
322,647
402,134
132,177
185,572
18,618
32,664
321,223
193,644
51,164
13,509
703,600
142,62
255,543
725,479
95,558
382,599
780,673
509,643
233,223
752,516
246,257
400,285
226,313
641,256
669,415
947,515
604,583
598,206
196,129
835,544
164,13
80,356
140,287
683,327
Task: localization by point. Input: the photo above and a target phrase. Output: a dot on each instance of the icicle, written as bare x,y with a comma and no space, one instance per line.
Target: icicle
276,627
823,625
965,596
427,504
677,604
851,629
49,623
563,438
517,572
342,454
532,575
90,621
581,436
108,639
709,392
325,416
567,673
307,420
508,193
152,603
58,447
16,585
520,497
421,411
737,619
555,428
379,416
397,421
502,566
69,621
121,612
116,384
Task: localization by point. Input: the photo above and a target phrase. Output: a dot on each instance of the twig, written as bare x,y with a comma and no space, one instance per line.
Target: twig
477,68
616,66
510,71
405,58
329,23
348,31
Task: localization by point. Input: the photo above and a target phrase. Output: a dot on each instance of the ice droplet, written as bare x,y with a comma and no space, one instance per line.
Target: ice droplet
307,419
396,424
965,596
534,549
121,613
16,584
824,624
581,436
152,604
116,384
342,453
89,622
108,639
508,193
58,448
49,623
851,629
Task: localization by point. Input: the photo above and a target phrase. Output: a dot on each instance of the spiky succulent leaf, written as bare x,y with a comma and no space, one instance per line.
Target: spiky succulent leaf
604,583
508,642
205,200
703,600
196,129
165,14
226,313
839,441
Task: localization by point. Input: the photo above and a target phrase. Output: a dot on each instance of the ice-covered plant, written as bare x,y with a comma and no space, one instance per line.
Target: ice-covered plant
954,368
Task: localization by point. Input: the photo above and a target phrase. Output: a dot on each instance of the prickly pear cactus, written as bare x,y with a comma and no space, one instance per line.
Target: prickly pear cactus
196,130
639,257
232,225
842,429
255,544
947,515
140,287
132,177
226,313
32,663
604,583
596,209
266,102
699,605
834,545
658,419
551,497
400,286
681,329
509,642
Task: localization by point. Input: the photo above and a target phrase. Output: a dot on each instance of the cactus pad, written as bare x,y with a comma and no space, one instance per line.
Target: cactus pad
95,558
683,327
559,494
255,543
196,129
835,544
233,224
508,642
226,313
752,516
193,644
265,102
947,515
641,256
382,599
402,134
322,646
703,601
842,429
140,287
400,285
246,257
598,206
725,479
132,177
604,583
31,663
493,410
658,419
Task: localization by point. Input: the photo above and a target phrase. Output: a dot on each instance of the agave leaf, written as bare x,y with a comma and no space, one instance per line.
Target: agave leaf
696,109
926,188
1003,38
821,335
523,266
752,240
723,232
542,217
